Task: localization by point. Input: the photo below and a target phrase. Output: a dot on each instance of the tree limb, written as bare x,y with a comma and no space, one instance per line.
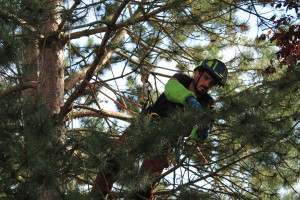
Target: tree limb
7,15
140,19
78,76
138,63
18,88
91,112
100,54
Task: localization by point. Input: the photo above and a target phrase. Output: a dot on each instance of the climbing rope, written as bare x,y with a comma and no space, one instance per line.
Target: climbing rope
108,96
215,176
114,91
147,87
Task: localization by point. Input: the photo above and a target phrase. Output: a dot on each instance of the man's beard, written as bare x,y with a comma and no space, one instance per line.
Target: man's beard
202,90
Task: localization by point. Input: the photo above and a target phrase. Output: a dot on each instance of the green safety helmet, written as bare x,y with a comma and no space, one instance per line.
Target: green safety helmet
216,68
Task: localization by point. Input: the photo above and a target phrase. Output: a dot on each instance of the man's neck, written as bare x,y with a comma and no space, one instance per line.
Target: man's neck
191,88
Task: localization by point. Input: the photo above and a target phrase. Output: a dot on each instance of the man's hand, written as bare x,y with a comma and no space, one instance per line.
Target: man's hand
193,104
199,135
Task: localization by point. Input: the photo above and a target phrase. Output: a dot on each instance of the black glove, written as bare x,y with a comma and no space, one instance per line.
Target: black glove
200,135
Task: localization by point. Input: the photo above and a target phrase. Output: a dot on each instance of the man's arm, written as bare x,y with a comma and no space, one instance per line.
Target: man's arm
177,93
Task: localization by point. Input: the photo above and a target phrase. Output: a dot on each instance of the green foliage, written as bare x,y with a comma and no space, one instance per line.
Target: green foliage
262,121
33,151
193,193
9,46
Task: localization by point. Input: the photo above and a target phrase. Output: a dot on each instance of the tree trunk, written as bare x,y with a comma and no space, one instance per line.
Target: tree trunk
51,79
51,63
51,76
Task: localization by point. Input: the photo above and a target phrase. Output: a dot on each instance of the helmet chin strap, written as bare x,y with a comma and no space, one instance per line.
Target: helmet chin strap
195,83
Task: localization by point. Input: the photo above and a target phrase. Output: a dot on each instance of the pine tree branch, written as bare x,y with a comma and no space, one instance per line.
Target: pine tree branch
89,73
100,53
7,15
211,174
73,7
157,48
82,180
91,112
138,63
243,8
137,20
286,181
18,88
124,55
143,43
79,75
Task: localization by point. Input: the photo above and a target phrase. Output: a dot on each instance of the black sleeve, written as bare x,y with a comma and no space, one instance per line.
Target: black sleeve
162,105
183,79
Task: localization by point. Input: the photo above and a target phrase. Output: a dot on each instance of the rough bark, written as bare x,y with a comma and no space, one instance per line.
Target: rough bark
51,63
51,77
30,66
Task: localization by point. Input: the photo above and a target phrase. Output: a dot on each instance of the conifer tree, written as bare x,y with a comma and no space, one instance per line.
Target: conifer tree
62,61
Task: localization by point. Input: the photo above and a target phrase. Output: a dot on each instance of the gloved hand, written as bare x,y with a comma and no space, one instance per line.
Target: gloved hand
200,135
193,104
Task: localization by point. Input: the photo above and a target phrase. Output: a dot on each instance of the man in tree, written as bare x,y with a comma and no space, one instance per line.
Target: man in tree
184,92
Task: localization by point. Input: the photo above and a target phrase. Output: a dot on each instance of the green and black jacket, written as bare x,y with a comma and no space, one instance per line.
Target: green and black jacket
162,106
